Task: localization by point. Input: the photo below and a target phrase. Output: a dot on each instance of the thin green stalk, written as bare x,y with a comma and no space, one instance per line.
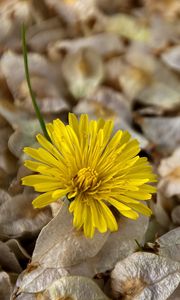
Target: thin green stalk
36,108
140,248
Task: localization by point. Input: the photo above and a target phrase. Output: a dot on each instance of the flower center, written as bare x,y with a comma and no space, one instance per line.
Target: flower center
85,178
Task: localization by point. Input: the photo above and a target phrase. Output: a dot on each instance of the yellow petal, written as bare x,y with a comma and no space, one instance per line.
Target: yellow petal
43,200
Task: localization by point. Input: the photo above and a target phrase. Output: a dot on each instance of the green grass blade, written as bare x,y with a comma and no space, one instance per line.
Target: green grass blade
36,108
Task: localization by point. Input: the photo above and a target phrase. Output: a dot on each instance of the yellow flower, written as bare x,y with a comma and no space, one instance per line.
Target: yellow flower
94,169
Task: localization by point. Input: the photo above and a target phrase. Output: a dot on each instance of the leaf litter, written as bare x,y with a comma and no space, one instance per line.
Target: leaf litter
120,61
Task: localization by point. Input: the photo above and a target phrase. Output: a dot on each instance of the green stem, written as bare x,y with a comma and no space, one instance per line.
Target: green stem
36,108
140,248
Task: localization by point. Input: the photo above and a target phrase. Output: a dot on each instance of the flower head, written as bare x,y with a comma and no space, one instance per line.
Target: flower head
94,169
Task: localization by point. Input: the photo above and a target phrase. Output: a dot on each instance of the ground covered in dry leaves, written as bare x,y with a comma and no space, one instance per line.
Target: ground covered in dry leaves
115,59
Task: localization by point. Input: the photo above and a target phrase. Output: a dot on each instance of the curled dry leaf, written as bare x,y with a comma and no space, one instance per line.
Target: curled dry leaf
36,278
40,35
169,244
25,129
145,276
46,82
17,249
169,9
4,136
60,250
128,27
86,66
106,103
163,132
133,80
12,14
122,243
172,58
73,11
160,96
175,215
162,210
74,288
116,5
60,245
18,216
169,171
24,136
5,286
105,44
8,259
175,295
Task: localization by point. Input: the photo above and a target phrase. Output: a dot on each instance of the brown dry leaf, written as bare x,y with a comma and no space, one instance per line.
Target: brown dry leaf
163,132
168,8
60,245
122,243
133,80
41,34
127,26
172,58
175,295
74,288
160,96
12,14
105,44
87,67
169,171
5,286
169,244
115,6
145,276
105,103
45,78
18,216
37,278
73,11
175,215
8,260
162,209
25,128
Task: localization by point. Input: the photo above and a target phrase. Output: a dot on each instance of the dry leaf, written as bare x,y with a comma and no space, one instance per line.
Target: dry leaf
169,244
122,243
169,170
5,286
145,276
87,67
61,245
163,132
18,216
74,288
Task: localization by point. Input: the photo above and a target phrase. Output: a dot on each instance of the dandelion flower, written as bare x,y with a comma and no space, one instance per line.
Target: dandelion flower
94,169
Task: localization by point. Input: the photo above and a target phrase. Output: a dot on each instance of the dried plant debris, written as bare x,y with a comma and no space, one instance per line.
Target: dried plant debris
169,171
105,44
169,244
74,248
45,79
118,60
145,276
5,286
122,243
87,67
161,130
172,58
68,288
18,216
77,288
